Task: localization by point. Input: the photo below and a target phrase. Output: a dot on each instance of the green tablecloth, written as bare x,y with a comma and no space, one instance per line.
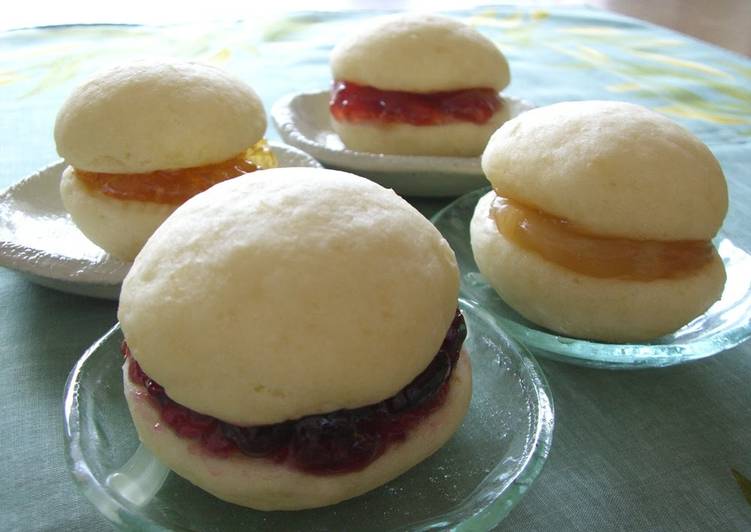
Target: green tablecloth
650,449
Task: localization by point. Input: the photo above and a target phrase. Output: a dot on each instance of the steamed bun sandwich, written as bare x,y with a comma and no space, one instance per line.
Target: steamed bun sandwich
143,137
601,221
418,85
293,340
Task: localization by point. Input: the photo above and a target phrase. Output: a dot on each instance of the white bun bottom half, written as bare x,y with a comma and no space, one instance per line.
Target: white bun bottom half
458,139
578,305
119,227
263,485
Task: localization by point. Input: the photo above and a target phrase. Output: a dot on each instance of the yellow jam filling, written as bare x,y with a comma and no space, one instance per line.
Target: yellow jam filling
561,242
178,185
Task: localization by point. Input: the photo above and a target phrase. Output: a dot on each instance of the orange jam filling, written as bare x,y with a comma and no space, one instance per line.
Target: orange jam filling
176,186
559,241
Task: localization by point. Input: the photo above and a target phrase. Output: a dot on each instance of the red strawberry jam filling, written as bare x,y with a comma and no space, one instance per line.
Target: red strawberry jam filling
337,442
355,103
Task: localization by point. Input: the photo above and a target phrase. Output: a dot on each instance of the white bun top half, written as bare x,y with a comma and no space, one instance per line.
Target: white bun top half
614,169
420,53
156,115
289,292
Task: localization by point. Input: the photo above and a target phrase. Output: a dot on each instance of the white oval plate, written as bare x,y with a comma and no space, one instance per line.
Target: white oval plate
302,120
39,239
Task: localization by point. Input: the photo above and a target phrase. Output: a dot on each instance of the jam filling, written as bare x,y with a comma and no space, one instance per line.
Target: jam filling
337,442
355,103
559,241
176,186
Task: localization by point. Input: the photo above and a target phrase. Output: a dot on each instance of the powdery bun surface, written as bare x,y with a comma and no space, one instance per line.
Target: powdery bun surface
612,168
578,305
420,53
459,139
120,227
157,115
264,485
300,291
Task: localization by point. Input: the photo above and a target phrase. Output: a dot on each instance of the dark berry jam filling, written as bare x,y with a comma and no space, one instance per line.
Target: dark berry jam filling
337,442
351,102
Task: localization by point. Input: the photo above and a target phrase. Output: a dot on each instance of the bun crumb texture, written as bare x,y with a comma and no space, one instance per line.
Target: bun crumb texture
321,290
420,54
610,170
155,115
282,294
142,118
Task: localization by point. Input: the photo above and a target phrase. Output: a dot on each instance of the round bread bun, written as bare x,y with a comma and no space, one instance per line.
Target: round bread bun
141,117
458,139
611,168
578,305
121,227
420,53
265,485
424,54
157,115
301,291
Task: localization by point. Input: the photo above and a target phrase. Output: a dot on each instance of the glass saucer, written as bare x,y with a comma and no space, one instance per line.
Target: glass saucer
726,324
471,483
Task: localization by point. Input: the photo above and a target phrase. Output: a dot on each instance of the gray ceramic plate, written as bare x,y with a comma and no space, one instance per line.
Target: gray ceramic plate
39,240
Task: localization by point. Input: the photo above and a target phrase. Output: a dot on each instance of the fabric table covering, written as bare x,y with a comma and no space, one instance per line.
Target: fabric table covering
632,450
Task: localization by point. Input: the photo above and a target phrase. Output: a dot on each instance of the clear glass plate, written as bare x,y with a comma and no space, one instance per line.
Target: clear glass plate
303,121
726,324
39,240
471,483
